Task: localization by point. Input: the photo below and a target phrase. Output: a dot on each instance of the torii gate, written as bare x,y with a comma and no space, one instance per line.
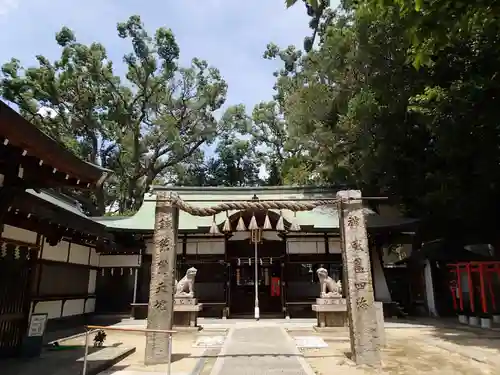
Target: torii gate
355,257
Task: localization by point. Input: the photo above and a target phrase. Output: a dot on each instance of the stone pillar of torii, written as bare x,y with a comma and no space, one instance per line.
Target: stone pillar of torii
361,309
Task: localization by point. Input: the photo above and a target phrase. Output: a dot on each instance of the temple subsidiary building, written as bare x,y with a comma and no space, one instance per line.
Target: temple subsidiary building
290,248
48,246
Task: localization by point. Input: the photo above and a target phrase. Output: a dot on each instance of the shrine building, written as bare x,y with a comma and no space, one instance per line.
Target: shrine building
59,262
48,246
291,247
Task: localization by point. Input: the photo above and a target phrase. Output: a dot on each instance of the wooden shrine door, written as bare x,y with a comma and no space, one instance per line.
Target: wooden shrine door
17,265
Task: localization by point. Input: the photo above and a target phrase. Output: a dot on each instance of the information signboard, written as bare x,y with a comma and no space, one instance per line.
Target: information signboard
33,341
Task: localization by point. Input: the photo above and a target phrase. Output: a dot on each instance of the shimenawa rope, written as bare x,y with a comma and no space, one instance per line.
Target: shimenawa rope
249,205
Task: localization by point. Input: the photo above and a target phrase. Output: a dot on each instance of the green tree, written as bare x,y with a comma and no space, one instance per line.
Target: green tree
158,115
235,160
427,136
232,164
282,154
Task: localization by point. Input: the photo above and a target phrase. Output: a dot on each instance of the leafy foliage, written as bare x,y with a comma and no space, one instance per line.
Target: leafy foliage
399,98
154,125
160,115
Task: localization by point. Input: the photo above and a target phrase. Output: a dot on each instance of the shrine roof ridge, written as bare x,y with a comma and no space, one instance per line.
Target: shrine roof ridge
332,189
323,219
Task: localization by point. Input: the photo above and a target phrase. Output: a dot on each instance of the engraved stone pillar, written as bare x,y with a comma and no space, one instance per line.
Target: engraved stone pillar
358,280
162,286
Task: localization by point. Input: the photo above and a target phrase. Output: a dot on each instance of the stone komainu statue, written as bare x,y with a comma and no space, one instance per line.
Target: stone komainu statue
185,286
329,287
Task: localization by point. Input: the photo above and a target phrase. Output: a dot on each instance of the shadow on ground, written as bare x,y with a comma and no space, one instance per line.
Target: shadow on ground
49,363
452,332
60,331
413,347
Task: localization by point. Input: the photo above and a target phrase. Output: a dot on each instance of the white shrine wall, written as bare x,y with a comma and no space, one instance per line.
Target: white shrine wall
68,259
52,292
195,246
19,235
306,244
310,244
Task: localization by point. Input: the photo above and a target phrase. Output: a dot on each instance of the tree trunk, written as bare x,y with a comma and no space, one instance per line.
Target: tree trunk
100,198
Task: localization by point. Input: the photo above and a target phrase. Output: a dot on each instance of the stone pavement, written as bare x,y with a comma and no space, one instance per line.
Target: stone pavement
264,347
260,350
216,323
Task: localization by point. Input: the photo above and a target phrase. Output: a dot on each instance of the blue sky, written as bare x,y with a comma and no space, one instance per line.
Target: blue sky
230,34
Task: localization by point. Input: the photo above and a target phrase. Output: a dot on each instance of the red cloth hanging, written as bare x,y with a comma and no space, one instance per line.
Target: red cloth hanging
453,289
275,287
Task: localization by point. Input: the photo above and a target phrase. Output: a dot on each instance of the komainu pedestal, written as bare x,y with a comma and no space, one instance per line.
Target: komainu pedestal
330,312
186,307
186,311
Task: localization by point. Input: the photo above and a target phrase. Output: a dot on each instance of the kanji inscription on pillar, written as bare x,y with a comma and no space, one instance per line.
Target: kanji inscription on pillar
162,286
358,280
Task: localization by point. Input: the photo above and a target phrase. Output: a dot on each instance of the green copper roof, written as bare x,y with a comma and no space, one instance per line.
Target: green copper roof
59,200
321,218
54,207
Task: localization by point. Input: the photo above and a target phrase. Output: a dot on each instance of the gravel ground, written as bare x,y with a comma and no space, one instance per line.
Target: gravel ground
410,351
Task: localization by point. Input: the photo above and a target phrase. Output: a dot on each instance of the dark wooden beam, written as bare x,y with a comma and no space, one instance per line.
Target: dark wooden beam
35,172
29,204
21,133
51,231
10,187
327,244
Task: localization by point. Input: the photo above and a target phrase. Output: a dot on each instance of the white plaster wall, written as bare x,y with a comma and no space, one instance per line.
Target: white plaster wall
73,307
58,253
205,246
90,305
429,289
271,236
150,246
92,281
19,234
79,254
191,247
119,260
94,257
266,235
382,293
241,236
334,246
52,308
306,245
